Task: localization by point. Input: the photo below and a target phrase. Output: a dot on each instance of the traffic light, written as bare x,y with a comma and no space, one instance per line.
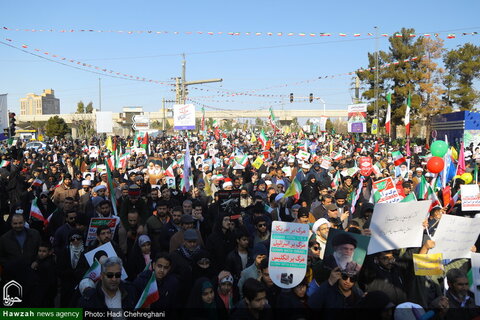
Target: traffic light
11,117
310,97
291,97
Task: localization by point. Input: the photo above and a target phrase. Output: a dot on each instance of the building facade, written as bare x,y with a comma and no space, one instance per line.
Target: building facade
46,103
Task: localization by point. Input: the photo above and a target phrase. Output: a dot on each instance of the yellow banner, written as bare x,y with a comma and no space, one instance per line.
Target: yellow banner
374,126
257,163
428,264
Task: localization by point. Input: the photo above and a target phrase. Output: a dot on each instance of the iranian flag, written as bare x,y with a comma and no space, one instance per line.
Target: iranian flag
357,195
124,160
271,119
389,114
409,197
111,189
169,171
149,295
144,143
407,116
337,181
37,183
430,195
294,190
215,123
59,184
94,271
243,160
422,188
203,119
4,163
263,139
93,167
36,213
398,158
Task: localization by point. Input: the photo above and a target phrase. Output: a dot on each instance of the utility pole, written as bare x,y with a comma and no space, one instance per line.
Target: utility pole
376,75
100,94
181,84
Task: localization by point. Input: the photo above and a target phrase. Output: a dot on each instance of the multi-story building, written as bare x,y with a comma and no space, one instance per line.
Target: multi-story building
46,103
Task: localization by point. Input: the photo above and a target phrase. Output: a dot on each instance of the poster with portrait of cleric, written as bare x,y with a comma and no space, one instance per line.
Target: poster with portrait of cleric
357,118
345,250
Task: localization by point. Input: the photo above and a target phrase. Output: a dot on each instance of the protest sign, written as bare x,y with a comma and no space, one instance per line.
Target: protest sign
357,118
287,262
386,191
183,117
303,155
170,182
257,163
326,163
349,171
455,236
97,222
428,264
104,250
397,225
470,197
337,239
366,166
476,277
287,170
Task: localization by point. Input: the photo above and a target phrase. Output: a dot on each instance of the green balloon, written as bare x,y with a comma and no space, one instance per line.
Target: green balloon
439,148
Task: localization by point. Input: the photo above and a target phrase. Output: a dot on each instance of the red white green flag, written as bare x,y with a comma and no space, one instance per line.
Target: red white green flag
407,116
337,181
389,114
398,158
149,295
294,190
111,189
94,271
263,139
36,213
242,160
4,163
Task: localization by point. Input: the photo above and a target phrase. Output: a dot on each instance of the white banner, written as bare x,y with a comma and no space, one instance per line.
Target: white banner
287,261
104,122
184,117
455,236
476,277
397,225
323,123
470,197
3,112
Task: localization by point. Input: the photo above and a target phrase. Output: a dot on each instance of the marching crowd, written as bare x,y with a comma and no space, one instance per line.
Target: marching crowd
194,213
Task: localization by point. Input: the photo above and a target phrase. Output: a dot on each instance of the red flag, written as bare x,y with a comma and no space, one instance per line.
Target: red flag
407,148
447,195
377,148
399,188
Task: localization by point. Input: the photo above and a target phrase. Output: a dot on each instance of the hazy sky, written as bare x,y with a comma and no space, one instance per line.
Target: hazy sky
244,62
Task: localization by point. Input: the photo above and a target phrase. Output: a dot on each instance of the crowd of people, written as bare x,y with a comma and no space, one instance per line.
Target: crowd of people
199,221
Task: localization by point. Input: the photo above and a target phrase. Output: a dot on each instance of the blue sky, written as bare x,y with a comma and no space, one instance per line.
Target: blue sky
245,63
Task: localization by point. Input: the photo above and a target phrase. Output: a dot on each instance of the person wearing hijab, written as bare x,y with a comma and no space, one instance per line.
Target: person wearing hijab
202,266
202,304
71,266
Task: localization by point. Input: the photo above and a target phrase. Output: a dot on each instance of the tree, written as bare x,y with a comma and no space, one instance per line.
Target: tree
56,127
80,107
463,66
329,125
258,122
401,74
209,123
89,108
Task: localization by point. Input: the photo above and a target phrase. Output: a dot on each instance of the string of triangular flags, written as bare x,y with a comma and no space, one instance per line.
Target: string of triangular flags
257,34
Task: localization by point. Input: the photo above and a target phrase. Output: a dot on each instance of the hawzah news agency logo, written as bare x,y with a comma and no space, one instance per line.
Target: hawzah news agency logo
12,293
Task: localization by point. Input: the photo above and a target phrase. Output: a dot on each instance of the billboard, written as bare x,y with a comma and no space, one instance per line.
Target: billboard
357,118
184,117
104,122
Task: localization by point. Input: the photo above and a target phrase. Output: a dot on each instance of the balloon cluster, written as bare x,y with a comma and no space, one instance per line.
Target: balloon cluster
436,164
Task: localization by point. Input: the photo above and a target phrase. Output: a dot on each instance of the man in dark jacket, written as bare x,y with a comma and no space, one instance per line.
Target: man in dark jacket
110,293
18,248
